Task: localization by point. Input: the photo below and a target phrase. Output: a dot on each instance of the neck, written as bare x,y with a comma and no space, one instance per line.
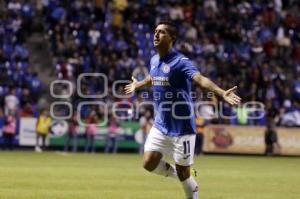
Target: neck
162,52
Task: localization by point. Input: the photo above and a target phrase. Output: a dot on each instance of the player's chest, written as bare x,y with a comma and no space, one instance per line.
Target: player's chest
163,69
162,75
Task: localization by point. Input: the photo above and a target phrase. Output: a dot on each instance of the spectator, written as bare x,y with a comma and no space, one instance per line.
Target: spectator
176,12
90,131
200,125
140,72
72,134
291,116
146,122
242,114
26,97
271,139
11,101
295,87
9,130
42,129
113,132
14,5
94,35
27,110
35,86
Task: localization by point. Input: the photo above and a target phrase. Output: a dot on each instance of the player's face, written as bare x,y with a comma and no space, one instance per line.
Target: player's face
161,36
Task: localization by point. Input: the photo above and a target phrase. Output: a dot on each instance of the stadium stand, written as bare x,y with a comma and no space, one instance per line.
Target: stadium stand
252,44
20,86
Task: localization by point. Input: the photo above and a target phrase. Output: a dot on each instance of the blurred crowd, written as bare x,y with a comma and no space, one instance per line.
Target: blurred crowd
19,84
254,44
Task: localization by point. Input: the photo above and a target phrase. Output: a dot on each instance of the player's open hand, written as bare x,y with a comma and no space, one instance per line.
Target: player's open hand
129,88
230,97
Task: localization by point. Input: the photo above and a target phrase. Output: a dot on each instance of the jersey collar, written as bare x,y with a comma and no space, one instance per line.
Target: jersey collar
171,53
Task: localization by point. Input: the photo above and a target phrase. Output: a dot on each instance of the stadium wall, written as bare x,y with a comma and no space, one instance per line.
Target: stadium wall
27,135
217,138
249,140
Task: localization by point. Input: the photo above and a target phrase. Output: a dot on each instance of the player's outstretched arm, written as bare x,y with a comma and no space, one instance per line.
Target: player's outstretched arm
134,85
227,95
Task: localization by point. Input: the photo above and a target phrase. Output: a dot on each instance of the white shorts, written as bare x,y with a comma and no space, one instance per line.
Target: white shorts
181,148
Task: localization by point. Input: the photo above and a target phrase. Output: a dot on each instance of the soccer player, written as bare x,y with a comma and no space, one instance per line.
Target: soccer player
173,131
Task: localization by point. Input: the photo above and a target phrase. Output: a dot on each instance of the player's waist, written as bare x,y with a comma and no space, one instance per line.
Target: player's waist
174,132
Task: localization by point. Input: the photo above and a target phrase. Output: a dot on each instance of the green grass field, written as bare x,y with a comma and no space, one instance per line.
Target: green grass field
29,175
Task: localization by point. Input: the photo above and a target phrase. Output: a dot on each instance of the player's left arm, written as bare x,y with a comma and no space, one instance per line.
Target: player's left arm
228,95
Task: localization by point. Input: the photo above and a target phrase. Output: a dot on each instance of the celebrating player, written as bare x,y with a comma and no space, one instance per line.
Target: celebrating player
173,131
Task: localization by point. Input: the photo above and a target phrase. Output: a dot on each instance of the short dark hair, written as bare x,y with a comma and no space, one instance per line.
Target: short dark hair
171,28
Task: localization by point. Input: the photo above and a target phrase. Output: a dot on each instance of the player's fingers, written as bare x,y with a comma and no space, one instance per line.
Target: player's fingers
128,86
237,97
128,91
233,102
228,100
232,89
236,101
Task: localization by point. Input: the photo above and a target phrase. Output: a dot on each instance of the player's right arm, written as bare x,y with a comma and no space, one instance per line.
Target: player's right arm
192,73
227,95
134,85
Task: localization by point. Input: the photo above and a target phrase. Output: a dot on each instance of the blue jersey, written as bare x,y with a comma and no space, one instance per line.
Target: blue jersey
171,82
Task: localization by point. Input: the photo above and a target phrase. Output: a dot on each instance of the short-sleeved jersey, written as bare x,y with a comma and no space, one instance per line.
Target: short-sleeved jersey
171,82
